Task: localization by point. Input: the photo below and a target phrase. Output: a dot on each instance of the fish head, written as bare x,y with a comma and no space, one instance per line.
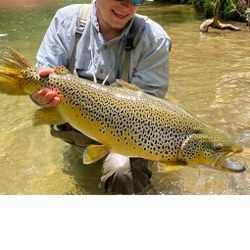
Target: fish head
211,148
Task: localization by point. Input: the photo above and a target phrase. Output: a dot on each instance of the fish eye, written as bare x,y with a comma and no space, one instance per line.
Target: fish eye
219,147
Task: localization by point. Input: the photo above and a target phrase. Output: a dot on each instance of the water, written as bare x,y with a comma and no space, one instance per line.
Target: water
209,77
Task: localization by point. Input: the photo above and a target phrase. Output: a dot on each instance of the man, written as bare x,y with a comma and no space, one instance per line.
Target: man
103,52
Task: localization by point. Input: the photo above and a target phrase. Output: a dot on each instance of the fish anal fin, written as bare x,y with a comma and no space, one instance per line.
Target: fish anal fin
122,83
47,116
94,153
61,70
164,167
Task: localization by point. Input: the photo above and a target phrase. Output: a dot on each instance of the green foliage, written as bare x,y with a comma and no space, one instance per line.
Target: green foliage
176,1
205,6
208,8
198,4
230,9
247,12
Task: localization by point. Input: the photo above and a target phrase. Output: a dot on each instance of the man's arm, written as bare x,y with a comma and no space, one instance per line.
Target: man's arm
151,73
58,42
55,50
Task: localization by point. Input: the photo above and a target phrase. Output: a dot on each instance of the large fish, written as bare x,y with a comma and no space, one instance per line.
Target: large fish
121,117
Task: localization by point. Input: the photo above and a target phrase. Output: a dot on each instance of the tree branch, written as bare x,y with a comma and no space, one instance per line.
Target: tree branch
215,22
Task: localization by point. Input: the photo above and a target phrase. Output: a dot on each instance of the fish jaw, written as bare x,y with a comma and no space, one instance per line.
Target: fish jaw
223,162
232,166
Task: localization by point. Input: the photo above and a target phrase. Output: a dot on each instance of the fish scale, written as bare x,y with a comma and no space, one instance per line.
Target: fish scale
123,118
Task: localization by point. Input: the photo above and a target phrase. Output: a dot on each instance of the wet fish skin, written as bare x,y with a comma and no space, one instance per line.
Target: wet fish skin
122,117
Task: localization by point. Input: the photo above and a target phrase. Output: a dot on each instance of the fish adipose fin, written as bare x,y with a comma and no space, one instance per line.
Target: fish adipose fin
11,65
47,116
94,153
122,83
164,167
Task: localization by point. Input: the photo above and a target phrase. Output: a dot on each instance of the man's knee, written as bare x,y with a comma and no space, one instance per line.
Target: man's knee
117,175
125,175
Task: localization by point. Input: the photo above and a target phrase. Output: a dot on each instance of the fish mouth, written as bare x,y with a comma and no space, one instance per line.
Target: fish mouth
223,161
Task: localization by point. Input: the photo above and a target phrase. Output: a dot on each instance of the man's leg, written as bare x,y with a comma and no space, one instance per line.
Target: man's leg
124,175
121,174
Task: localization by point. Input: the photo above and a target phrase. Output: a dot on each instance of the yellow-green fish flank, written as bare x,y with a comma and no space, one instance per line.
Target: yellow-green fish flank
122,117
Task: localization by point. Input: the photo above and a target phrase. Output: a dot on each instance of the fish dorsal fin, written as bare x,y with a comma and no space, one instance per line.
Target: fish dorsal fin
94,153
15,60
61,70
164,167
122,83
47,116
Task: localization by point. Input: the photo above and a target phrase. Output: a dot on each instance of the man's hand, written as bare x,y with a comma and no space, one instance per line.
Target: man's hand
46,97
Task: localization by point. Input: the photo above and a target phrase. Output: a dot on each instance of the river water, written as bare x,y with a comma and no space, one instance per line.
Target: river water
209,77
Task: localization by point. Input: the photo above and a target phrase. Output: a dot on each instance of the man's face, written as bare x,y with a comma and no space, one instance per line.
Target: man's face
114,14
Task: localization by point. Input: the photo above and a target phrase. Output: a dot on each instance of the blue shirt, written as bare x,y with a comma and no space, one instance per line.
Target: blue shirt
148,62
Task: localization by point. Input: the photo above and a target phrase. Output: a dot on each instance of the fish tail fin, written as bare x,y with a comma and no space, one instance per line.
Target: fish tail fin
11,65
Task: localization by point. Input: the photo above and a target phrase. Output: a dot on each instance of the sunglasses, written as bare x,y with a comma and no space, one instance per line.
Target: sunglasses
134,2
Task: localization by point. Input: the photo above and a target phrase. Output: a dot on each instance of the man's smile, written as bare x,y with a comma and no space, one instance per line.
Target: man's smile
120,15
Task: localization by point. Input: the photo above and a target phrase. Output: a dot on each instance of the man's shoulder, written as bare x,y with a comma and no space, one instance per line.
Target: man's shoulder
152,29
69,11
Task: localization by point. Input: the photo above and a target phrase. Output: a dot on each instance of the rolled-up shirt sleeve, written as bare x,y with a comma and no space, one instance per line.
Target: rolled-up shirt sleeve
151,72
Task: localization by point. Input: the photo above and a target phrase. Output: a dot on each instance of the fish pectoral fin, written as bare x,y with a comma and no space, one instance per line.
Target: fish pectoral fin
94,153
164,167
122,83
61,70
47,116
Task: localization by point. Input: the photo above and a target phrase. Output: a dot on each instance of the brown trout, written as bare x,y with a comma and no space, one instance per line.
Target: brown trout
121,117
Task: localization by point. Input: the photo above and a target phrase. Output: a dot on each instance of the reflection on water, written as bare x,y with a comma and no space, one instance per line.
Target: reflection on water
209,77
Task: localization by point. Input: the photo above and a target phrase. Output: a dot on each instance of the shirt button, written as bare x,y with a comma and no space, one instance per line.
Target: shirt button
101,71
